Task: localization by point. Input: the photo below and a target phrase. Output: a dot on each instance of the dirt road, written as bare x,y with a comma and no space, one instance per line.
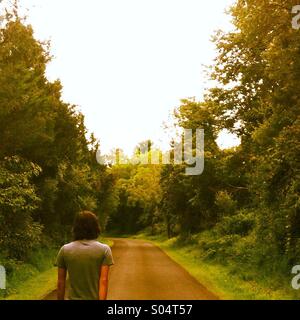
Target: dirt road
142,271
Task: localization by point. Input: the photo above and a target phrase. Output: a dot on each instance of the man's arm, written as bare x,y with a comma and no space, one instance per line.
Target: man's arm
103,282
61,283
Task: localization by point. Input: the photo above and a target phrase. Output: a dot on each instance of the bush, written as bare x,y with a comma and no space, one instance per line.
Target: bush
218,249
18,200
20,244
225,203
241,224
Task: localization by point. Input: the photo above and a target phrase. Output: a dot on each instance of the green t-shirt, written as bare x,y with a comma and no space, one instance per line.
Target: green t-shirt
83,259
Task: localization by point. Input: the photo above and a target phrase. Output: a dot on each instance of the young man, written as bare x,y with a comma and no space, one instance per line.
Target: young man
86,261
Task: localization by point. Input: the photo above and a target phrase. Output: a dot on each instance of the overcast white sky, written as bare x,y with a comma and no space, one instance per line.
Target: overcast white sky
127,63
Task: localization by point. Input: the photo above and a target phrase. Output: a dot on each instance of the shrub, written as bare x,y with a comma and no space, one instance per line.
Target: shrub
18,200
241,224
19,245
218,249
225,203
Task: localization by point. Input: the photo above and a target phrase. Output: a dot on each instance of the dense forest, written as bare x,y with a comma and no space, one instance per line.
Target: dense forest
244,208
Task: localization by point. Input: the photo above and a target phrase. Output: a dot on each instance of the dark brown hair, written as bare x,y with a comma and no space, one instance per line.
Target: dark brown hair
86,226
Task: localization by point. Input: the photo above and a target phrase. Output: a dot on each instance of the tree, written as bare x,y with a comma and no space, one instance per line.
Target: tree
258,63
37,126
18,201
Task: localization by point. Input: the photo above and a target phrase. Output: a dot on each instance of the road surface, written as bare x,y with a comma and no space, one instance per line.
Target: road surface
143,271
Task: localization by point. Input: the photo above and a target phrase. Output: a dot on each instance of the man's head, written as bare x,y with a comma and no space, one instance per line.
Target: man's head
86,226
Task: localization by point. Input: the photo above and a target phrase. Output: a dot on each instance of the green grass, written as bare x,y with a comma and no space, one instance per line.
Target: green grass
37,287
225,281
37,278
39,266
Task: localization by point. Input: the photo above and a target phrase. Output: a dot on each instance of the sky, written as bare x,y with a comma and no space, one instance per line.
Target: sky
127,64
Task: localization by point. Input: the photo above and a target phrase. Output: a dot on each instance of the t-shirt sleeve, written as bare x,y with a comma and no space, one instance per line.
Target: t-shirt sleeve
108,258
60,260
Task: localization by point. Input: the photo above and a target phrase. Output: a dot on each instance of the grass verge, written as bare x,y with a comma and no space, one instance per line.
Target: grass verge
36,288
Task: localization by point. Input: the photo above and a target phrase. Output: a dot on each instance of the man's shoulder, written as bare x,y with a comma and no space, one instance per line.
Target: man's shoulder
68,245
101,245
90,243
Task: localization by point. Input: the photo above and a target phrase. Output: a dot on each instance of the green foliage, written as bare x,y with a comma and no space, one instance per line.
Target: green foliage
258,66
219,248
138,197
241,224
18,200
18,273
225,203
